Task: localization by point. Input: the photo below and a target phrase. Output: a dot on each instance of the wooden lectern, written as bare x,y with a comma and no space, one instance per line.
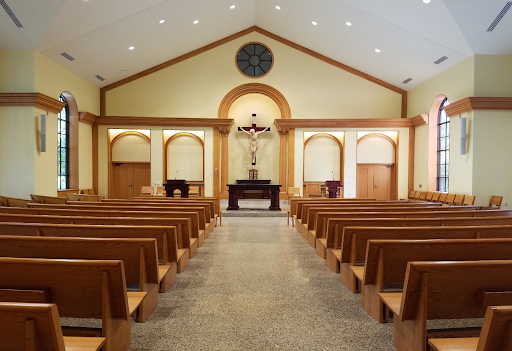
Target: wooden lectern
332,187
174,184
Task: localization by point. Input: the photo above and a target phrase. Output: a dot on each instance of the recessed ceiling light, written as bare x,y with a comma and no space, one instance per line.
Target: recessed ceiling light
314,23
196,22
278,7
377,50
348,24
131,48
426,1
161,21
232,7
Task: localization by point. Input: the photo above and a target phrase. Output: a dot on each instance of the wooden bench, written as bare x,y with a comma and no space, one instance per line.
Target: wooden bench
494,336
36,326
196,214
169,254
318,216
13,201
445,290
336,226
386,260
138,255
80,289
83,197
181,225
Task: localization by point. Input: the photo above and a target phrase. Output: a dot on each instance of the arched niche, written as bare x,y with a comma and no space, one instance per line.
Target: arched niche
267,159
131,146
323,158
184,153
254,88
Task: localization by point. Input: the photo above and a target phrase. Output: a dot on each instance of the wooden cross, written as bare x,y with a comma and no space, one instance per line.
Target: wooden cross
256,129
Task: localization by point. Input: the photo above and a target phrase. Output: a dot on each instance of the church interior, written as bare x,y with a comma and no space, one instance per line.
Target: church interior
393,100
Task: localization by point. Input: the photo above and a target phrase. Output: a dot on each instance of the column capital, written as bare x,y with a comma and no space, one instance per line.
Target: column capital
283,131
224,131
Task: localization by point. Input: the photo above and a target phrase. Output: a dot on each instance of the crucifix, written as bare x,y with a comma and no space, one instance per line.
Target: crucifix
253,132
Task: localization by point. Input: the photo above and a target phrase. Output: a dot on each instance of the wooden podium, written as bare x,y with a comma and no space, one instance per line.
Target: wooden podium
332,187
179,184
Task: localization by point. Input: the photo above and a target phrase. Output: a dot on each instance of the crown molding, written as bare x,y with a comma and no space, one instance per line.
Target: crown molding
478,103
38,100
344,123
164,121
419,120
87,117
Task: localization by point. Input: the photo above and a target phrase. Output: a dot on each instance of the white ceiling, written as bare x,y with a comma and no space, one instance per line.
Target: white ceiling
410,34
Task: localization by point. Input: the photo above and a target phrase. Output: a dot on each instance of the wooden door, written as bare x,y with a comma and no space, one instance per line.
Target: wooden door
376,181
128,179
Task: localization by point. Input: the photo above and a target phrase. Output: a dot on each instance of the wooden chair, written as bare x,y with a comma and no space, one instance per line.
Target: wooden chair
435,197
411,195
429,196
423,195
314,189
495,202
80,288
450,198
88,192
147,190
417,195
442,198
160,191
469,200
494,336
36,326
194,191
293,191
458,200
454,290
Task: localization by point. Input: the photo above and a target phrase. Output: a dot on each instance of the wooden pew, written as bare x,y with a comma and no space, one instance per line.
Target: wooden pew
206,223
495,334
36,326
42,199
83,197
386,260
453,290
13,201
140,258
181,225
318,216
80,289
336,226
168,253
196,214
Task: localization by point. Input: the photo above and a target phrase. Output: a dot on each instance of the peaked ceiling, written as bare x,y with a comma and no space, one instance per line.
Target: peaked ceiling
410,34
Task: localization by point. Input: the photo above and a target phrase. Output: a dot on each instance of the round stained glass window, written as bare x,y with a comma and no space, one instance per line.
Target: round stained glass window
254,60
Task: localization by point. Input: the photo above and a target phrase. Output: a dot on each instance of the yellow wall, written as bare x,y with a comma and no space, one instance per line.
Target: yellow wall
18,136
85,156
195,87
16,71
493,75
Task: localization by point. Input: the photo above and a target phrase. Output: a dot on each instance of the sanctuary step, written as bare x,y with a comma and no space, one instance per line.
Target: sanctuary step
253,208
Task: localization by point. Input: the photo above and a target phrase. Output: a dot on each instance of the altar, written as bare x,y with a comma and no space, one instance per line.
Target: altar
233,190
242,194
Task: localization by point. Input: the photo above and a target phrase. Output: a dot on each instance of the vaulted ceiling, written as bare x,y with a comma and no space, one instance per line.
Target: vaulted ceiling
410,34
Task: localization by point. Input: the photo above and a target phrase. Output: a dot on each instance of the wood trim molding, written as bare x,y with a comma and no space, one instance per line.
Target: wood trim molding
127,133
164,121
32,99
87,117
345,123
254,88
419,120
166,155
478,103
378,135
238,35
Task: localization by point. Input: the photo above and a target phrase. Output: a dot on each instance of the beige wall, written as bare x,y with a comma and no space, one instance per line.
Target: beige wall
185,159
85,156
131,148
322,159
16,71
375,149
493,75
195,87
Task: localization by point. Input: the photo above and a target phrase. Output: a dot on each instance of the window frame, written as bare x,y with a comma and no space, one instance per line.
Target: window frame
443,149
66,121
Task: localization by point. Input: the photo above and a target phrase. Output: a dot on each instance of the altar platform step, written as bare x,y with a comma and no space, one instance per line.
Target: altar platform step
254,208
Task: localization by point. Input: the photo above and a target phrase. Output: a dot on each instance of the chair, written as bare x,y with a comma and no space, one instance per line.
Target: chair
411,195
428,198
314,189
146,190
495,201
194,191
459,200
160,190
435,197
469,200
293,191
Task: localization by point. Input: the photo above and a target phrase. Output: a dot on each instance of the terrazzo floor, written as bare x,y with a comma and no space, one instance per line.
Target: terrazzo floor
257,285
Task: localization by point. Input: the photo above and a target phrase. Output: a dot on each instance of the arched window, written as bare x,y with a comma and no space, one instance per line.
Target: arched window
443,148
63,146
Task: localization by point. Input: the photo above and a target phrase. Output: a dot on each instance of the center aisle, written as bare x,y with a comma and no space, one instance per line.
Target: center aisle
257,285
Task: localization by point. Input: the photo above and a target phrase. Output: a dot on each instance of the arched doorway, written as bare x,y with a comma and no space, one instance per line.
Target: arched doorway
376,168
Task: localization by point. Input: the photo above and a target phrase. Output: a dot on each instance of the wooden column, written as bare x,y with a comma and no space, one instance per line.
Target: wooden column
224,132
283,132
291,158
216,162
